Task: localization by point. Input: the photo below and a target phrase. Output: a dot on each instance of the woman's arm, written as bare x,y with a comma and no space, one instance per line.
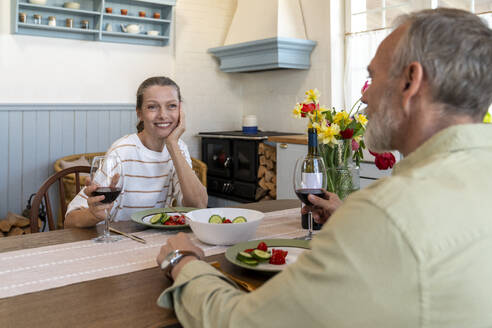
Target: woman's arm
194,192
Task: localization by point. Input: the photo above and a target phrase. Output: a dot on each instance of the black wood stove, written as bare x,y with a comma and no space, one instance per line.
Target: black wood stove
232,160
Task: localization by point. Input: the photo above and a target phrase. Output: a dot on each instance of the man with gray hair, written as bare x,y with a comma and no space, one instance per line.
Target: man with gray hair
411,250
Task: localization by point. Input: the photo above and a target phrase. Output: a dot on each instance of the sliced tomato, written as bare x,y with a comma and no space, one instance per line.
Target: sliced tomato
262,247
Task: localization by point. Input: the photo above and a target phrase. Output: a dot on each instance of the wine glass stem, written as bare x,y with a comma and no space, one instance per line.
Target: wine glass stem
310,225
106,223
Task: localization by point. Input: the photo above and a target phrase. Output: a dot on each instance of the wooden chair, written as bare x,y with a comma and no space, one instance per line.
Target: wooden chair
200,169
43,193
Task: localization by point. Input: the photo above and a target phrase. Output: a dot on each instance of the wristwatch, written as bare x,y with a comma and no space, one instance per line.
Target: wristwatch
173,258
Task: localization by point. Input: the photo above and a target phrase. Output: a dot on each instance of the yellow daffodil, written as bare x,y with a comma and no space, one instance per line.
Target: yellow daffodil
342,116
487,118
323,109
312,96
327,134
297,111
362,119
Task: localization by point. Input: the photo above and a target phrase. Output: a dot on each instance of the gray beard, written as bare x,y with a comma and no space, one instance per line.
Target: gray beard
381,127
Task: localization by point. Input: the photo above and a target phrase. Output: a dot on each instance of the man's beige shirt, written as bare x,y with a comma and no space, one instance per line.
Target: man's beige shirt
411,250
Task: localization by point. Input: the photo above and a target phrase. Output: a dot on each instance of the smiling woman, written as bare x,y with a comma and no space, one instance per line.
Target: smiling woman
156,162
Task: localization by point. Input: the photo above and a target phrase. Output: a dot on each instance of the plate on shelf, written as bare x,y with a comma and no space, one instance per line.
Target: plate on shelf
293,246
143,217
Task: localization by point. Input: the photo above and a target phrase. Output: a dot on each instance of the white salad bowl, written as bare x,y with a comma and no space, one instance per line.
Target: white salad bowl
224,233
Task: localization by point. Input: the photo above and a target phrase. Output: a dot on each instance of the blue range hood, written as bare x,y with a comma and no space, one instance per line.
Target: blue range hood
266,54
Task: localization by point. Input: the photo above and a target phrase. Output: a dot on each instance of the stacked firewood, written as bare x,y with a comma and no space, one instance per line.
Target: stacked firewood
14,225
267,176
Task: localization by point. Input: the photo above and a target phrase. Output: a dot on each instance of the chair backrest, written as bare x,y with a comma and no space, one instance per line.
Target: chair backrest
200,169
43,193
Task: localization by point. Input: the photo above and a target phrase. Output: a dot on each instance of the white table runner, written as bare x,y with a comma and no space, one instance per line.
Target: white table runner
36,269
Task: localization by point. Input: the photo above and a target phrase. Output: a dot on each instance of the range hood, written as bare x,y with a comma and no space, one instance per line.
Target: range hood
265,35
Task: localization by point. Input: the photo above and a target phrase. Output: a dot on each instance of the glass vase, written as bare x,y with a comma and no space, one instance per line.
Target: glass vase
342,173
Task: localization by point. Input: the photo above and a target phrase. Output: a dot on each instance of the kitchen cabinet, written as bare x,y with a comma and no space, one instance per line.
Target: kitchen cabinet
290,148
94,22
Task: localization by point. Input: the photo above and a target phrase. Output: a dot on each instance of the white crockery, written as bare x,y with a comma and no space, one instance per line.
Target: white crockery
225,233
153,32
72,5
131,28
38,2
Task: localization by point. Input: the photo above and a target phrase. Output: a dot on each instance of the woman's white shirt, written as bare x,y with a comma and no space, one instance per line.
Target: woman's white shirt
150,178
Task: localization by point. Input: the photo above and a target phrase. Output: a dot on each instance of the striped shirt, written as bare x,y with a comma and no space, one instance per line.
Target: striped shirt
150,178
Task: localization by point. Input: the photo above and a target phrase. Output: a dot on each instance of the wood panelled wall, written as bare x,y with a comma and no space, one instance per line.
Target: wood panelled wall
34,136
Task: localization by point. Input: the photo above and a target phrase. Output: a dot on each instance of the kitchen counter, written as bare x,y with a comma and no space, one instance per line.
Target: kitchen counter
300,139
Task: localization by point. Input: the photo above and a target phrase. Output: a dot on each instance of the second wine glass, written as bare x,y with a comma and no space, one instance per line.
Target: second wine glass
309,178
107,174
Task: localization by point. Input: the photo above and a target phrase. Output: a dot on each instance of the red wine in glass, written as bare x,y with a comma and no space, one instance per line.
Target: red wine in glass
110,194
302,194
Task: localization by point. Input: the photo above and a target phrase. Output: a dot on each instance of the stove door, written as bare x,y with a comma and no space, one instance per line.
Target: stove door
216,153
245,160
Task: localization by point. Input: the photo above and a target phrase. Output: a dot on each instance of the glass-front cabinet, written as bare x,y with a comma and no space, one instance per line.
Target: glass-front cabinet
145,22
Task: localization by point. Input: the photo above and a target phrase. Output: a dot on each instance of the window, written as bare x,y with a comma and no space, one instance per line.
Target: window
368,22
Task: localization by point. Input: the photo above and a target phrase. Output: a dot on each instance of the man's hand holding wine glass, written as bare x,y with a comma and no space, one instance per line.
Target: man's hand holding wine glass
322,207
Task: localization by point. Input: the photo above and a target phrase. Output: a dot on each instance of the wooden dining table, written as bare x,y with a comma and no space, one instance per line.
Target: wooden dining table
126,300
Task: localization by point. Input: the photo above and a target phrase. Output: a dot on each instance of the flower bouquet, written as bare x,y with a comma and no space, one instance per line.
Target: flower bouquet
340,141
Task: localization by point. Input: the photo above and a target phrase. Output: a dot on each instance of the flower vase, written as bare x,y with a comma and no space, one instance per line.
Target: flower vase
342,173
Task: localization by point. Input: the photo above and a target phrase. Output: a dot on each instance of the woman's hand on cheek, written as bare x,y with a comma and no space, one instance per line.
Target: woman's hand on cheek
178,130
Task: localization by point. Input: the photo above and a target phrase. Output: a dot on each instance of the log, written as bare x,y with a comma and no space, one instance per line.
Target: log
18,220
270,186
273,193
261,148
5,225
267,197
16,231
270,153
274,180
261,171
263,184
269,175
27,230
269,164
263,160
260,193
2,235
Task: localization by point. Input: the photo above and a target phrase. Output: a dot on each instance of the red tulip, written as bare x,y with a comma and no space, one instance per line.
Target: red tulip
347,133
307,108
384,161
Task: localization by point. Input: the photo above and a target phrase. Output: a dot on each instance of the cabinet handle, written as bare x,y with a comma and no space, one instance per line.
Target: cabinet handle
284,146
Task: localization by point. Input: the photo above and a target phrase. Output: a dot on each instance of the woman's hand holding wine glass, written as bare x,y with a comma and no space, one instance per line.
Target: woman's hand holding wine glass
107,184
96,207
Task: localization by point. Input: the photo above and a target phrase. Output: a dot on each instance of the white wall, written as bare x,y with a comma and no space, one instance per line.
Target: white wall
271,95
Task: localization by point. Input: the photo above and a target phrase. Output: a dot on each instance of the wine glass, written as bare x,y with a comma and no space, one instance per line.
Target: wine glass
107,174
309,178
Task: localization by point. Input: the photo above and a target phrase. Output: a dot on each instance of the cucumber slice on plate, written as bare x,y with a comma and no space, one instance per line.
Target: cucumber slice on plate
260,255
164,218
215,219
156,218
244,256
239,219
